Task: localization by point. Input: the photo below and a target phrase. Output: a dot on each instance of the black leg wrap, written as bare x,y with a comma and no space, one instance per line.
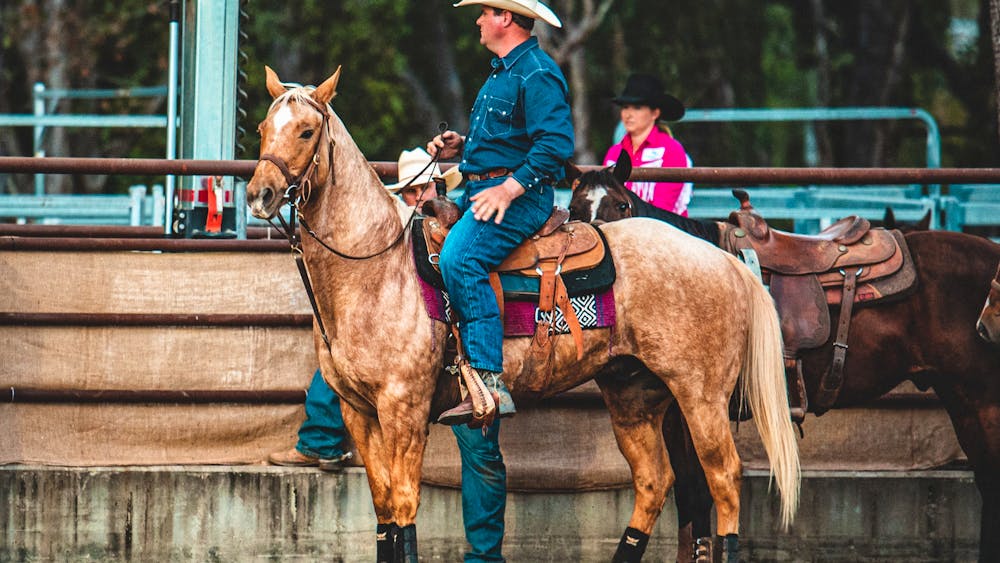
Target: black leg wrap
385,542
728,548
631,546
406,544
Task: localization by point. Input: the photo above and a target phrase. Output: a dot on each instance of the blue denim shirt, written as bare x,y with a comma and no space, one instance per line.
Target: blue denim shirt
521,119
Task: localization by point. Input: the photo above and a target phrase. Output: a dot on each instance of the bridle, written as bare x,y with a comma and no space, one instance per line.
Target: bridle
299,190
297,193
628,209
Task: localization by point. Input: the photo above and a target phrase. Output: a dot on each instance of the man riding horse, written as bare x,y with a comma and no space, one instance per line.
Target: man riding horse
521,132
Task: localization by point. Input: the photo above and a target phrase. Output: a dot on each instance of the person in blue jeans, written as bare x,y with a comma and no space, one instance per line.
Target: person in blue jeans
520,135
484,490
322,436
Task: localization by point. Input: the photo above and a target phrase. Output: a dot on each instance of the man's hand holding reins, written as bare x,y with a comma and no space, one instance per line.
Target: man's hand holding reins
496,200
449,143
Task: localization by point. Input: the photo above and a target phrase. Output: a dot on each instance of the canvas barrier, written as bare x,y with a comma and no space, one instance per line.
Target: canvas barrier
566,445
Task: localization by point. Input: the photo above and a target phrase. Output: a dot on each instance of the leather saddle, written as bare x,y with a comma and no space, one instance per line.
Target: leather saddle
847,263
559,248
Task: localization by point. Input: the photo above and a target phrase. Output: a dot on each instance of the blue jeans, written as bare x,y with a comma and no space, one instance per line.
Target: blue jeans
472,249
322,432
484,491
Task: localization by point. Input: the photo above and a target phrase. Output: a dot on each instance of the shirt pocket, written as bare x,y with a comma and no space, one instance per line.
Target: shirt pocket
498,116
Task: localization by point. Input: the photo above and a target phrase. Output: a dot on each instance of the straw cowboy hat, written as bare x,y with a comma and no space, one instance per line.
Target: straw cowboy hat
647,90
530,8
413,171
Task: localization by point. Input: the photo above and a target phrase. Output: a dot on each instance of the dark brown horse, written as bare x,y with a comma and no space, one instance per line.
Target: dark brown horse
929,338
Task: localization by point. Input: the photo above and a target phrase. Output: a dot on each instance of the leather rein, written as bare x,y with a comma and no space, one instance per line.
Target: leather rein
299,191
296,196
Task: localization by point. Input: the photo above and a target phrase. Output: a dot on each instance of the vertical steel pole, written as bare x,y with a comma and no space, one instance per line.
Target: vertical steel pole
39,133
208,83
175,19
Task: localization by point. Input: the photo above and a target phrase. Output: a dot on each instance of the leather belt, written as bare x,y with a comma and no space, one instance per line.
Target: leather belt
495,173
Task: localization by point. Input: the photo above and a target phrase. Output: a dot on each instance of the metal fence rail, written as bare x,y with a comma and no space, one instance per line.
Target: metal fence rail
973,197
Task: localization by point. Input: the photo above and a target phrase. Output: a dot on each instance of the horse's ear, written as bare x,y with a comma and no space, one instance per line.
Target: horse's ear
328,89
924,224
623,168
889,219
274,85
572,171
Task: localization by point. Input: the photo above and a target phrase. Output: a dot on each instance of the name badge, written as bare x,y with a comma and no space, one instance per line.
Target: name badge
653,153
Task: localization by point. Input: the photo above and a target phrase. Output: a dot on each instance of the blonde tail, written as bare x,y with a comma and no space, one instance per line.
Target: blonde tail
763,386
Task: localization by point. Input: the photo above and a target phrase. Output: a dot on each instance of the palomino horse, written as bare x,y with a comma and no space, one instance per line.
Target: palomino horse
385,356
929,337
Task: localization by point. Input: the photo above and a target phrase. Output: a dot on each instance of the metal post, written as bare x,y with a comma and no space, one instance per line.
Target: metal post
208,79
136,196
39,132
240,198
159,204
175,18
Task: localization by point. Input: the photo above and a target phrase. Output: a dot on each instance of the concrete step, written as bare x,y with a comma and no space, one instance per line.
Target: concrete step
262,513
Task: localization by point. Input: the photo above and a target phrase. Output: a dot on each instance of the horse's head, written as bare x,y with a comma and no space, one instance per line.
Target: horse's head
295,144
988,325
889,222
601,195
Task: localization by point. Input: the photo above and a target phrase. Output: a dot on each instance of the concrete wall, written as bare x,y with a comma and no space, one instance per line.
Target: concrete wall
250,513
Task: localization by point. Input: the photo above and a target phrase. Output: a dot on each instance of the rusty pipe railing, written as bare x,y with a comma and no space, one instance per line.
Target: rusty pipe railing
156,319
735,176
73,244
147,396
17,394
110,231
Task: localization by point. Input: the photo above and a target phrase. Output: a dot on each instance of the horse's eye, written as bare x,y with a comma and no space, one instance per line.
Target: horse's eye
307,134
623,207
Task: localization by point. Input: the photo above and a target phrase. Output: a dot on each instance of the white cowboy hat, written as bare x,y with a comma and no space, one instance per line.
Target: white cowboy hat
414,171
531,8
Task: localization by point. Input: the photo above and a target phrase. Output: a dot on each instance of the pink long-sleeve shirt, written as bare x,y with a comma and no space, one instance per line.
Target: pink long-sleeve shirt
659,150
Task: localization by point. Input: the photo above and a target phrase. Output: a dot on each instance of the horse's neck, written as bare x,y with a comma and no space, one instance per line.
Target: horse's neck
354,213
707,230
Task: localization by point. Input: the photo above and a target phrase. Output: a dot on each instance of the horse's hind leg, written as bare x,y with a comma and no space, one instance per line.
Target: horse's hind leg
636,406
708,423
691,494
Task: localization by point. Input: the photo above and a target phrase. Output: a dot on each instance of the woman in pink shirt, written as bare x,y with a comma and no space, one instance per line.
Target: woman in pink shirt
649,143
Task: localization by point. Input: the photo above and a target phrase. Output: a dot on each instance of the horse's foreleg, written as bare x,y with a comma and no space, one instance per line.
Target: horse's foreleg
988,483
405,437
976,419
637,426
368,439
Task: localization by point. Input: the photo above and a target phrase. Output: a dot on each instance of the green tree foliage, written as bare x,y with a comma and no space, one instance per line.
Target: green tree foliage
409,65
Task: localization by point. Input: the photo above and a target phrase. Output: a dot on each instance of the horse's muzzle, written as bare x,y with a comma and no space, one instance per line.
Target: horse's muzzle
265,203
983,332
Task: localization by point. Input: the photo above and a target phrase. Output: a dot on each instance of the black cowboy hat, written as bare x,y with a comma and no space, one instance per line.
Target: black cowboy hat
647,90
